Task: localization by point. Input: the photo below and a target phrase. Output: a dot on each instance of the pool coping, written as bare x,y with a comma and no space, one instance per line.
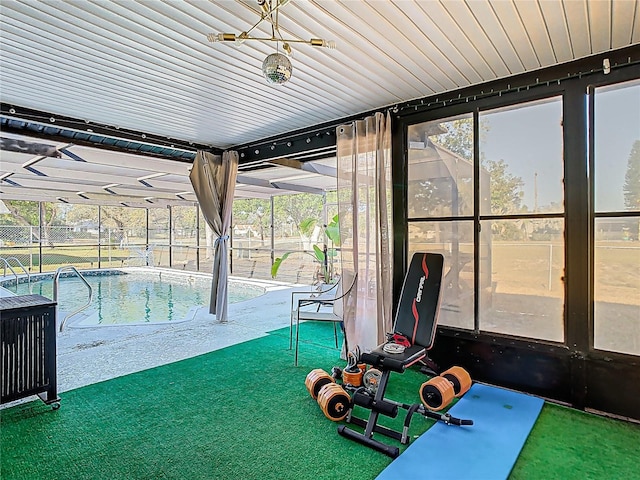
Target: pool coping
75,319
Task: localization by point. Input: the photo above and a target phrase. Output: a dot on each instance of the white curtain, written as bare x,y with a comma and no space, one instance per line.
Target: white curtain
364,205
214,181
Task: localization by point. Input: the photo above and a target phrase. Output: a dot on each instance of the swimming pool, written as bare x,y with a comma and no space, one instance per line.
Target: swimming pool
133,298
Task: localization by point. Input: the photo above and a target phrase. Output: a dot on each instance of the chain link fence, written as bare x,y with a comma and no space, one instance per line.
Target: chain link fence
179,237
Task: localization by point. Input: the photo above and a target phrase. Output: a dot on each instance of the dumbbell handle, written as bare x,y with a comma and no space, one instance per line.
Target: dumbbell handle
445,417
458,421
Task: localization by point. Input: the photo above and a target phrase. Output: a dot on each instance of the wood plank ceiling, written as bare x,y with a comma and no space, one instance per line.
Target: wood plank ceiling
147,66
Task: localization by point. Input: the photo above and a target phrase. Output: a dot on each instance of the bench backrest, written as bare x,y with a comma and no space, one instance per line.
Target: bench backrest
417,313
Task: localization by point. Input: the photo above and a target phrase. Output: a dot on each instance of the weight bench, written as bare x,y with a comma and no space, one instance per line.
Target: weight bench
413,335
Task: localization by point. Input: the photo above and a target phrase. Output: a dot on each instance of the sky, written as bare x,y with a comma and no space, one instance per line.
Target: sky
617,127
529,140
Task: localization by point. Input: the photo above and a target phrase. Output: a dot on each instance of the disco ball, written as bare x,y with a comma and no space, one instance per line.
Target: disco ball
277,68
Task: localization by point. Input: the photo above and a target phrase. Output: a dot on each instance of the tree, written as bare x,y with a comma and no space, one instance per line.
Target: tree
118,224
254,213
631,187
458,137
294,209
28,213
506,189
184,221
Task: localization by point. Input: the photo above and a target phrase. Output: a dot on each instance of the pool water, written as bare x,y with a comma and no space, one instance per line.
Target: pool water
134,298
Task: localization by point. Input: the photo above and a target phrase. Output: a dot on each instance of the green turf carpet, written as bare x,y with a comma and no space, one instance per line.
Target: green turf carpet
243,413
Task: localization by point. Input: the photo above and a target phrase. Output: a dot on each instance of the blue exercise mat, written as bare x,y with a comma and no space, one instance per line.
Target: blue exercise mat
486,450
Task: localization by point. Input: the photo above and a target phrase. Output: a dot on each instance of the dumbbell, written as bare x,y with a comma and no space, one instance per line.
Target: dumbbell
439,391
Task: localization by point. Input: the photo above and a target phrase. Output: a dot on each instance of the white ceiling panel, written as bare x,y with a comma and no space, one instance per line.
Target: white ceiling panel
512,22
577,13
622,18
536,31
146,66
476,36
600,25
557,30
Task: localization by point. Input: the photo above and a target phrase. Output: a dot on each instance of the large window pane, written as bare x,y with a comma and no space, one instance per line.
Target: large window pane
251,237
184,240
617,286
526,297
159,226
617,149
455,241
124,226
159,236
521,158
617,239
440,168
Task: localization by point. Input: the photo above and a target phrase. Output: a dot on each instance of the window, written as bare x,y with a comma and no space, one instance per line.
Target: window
616,166
441,168
521,205
440,206
519,215
454,240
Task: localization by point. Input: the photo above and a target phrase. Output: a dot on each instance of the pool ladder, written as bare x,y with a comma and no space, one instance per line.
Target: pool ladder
8,265
55,290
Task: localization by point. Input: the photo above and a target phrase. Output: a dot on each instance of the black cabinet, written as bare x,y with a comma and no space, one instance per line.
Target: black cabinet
28,348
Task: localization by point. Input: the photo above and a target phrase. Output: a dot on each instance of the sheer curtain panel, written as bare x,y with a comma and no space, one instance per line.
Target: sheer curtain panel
364,205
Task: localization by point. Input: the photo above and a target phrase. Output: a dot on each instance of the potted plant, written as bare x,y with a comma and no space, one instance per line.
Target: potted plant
324,255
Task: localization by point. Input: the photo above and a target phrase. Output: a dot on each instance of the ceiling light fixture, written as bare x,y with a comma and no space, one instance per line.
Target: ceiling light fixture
276,68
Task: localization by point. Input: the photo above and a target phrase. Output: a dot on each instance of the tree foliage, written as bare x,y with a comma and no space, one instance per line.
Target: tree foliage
78,213
506,189
458,138
28,213
631,187
296,208
254,213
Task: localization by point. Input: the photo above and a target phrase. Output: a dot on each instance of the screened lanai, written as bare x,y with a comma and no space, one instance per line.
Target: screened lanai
514,154
94,208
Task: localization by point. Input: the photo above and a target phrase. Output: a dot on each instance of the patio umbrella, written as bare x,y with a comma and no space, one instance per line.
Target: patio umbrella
214,181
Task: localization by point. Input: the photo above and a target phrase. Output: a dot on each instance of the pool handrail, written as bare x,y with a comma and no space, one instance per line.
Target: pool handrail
6,265
26,272
55,291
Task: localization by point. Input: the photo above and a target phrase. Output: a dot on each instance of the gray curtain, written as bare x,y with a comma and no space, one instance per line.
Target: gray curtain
364,207
214,181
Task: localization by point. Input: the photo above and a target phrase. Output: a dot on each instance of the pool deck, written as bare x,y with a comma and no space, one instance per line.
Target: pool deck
93,354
